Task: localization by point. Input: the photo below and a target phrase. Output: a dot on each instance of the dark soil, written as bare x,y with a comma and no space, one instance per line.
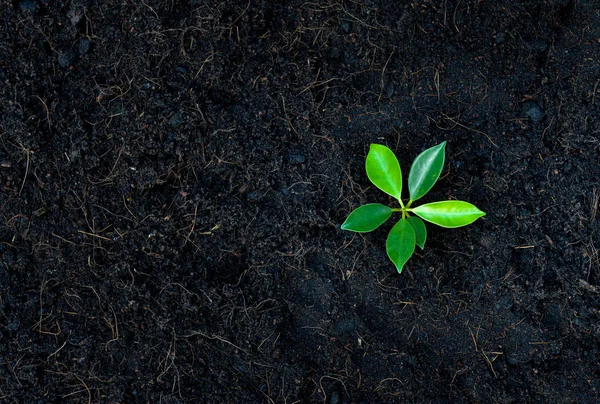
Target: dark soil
174,175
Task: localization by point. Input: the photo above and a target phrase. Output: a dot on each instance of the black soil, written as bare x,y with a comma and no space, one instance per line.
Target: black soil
173,176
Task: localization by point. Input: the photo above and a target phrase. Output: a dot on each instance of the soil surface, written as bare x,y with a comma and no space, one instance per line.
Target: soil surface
173,176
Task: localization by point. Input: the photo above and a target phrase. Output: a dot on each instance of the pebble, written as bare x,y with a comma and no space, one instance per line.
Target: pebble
252,196
13,326
504,304
513,360
84,46
389,89
28,5
296,158
486,241
175,120
64,59
534,111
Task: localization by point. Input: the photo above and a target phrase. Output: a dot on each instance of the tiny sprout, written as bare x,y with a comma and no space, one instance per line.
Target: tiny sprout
384,172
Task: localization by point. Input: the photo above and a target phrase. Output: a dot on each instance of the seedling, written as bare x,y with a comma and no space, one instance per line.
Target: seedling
384,172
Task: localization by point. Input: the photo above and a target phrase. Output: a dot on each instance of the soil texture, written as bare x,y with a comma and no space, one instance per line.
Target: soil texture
173,176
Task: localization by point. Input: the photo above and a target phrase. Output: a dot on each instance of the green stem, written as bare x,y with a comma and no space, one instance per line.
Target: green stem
403,209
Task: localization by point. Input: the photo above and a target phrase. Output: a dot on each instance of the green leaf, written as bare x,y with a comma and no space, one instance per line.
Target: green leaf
367,218
383,170
420,230
400,243
425,171
449,213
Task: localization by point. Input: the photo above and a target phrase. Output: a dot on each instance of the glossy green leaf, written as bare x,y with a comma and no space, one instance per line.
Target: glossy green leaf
449,213
420,230
367,218
400,243
383,170
425,171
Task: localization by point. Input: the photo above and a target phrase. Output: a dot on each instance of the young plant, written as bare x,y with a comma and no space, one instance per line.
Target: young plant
384,172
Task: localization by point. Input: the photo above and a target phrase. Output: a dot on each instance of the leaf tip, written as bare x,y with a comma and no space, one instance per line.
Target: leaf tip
443,147
345,225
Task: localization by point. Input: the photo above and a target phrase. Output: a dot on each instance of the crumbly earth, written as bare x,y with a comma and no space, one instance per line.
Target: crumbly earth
173,176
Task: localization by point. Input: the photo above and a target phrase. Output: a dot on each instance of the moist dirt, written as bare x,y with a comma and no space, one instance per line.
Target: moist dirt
173,176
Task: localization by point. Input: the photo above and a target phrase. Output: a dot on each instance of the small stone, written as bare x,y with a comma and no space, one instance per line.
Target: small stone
504,304
28,5
64,59
500,38
345,26
13,326
580,322
252,196
534,111
389,89
84,46
175,120
74,16
512,360
296,158
486,241
285,191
